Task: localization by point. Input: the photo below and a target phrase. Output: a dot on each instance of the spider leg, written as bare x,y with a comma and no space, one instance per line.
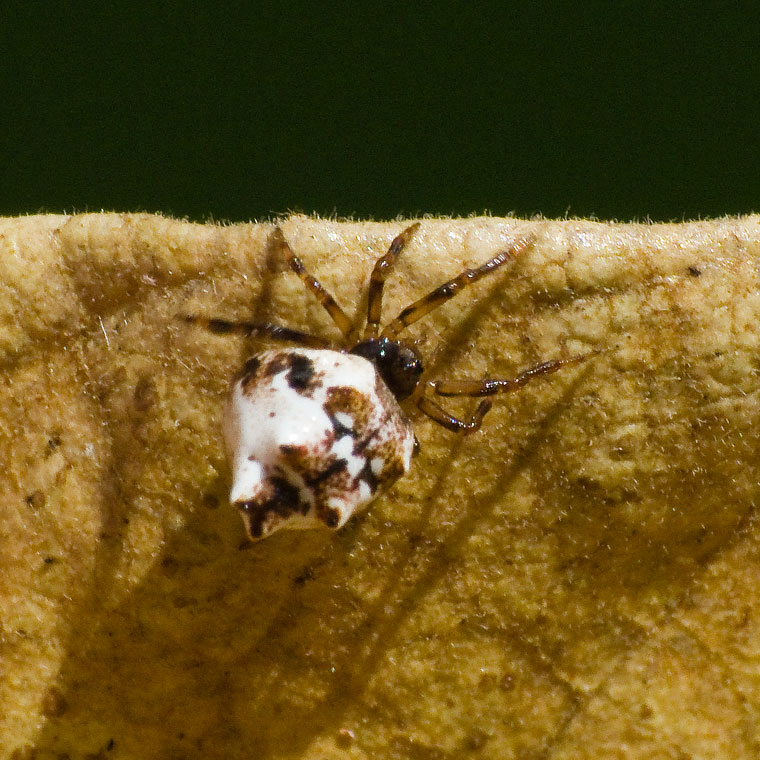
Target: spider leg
276,332
380,273
330,305
491,387
448,290
442,417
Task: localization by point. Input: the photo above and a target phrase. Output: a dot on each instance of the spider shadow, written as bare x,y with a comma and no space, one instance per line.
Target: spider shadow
358,650
456,336
262,304
115,505
364,655
126,438
185,644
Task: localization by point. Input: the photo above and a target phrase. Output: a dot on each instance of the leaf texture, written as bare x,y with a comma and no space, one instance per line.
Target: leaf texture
580,579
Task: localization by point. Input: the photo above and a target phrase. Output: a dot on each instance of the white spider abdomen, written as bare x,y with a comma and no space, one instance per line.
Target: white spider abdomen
312,436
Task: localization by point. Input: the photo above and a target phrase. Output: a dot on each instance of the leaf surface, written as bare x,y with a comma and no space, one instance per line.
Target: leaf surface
578,579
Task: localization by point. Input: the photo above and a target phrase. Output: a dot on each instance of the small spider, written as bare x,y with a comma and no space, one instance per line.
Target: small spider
315,432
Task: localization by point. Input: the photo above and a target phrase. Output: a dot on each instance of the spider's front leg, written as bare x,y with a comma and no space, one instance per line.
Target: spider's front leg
485,387
448,290
380,273
491,387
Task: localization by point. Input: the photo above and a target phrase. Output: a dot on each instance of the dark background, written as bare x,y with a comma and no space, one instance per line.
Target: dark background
240,111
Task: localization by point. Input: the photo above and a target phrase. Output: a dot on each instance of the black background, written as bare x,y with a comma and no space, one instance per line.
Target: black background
239,111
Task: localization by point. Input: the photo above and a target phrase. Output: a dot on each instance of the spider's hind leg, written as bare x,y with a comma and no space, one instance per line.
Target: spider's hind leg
259,329
444,419
485,387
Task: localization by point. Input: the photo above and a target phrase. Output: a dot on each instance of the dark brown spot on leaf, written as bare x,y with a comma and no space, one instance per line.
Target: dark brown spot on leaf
307,574
210,501
36,500
145,394
54,703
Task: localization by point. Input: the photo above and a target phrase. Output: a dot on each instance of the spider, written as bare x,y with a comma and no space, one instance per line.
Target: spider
315,431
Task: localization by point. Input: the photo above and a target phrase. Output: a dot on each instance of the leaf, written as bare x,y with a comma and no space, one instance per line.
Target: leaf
578,579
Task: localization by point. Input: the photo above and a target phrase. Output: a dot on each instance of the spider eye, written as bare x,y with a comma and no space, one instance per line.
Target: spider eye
414,367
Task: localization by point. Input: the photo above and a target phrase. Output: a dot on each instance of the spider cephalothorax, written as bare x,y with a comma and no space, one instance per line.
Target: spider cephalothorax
314,432
399,365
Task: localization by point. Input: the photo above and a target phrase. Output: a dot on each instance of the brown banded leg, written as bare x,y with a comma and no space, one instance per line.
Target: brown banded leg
263,329
491,387
448,290
380,273
442,417
330,305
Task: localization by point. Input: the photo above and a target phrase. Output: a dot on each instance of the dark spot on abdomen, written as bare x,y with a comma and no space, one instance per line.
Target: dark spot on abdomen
250,371
301,372
368,476
335,467
339,429
332,518
286,498
284,502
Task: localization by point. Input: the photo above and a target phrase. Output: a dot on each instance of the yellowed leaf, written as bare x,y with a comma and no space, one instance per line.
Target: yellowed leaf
580,579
